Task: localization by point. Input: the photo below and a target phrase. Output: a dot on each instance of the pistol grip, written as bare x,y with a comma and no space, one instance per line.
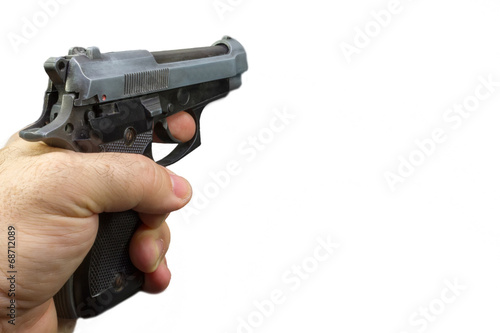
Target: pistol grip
106,276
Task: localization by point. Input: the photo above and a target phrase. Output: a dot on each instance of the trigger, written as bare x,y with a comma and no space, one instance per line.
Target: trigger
163,133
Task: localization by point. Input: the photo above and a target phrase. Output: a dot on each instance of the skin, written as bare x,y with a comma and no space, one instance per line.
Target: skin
53,197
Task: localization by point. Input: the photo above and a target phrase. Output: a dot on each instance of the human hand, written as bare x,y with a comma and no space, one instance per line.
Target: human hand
52,197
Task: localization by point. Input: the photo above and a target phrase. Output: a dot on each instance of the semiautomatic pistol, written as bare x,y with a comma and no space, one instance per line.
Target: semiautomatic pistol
117,102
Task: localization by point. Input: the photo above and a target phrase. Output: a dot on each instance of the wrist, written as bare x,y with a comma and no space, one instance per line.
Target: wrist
39,319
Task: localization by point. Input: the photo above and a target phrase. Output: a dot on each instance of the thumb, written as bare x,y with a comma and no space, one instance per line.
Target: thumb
81,185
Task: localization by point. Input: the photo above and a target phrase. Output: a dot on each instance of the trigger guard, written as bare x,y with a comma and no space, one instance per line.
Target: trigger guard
184,148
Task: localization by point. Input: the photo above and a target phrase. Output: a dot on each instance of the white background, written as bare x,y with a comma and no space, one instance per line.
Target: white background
323,174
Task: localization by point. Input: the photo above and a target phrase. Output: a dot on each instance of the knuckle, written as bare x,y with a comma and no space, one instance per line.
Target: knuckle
56,168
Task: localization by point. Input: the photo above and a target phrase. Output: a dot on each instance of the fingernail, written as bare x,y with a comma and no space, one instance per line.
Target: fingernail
180,187
160,245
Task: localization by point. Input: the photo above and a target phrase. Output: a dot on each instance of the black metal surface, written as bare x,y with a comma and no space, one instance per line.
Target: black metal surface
165,57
